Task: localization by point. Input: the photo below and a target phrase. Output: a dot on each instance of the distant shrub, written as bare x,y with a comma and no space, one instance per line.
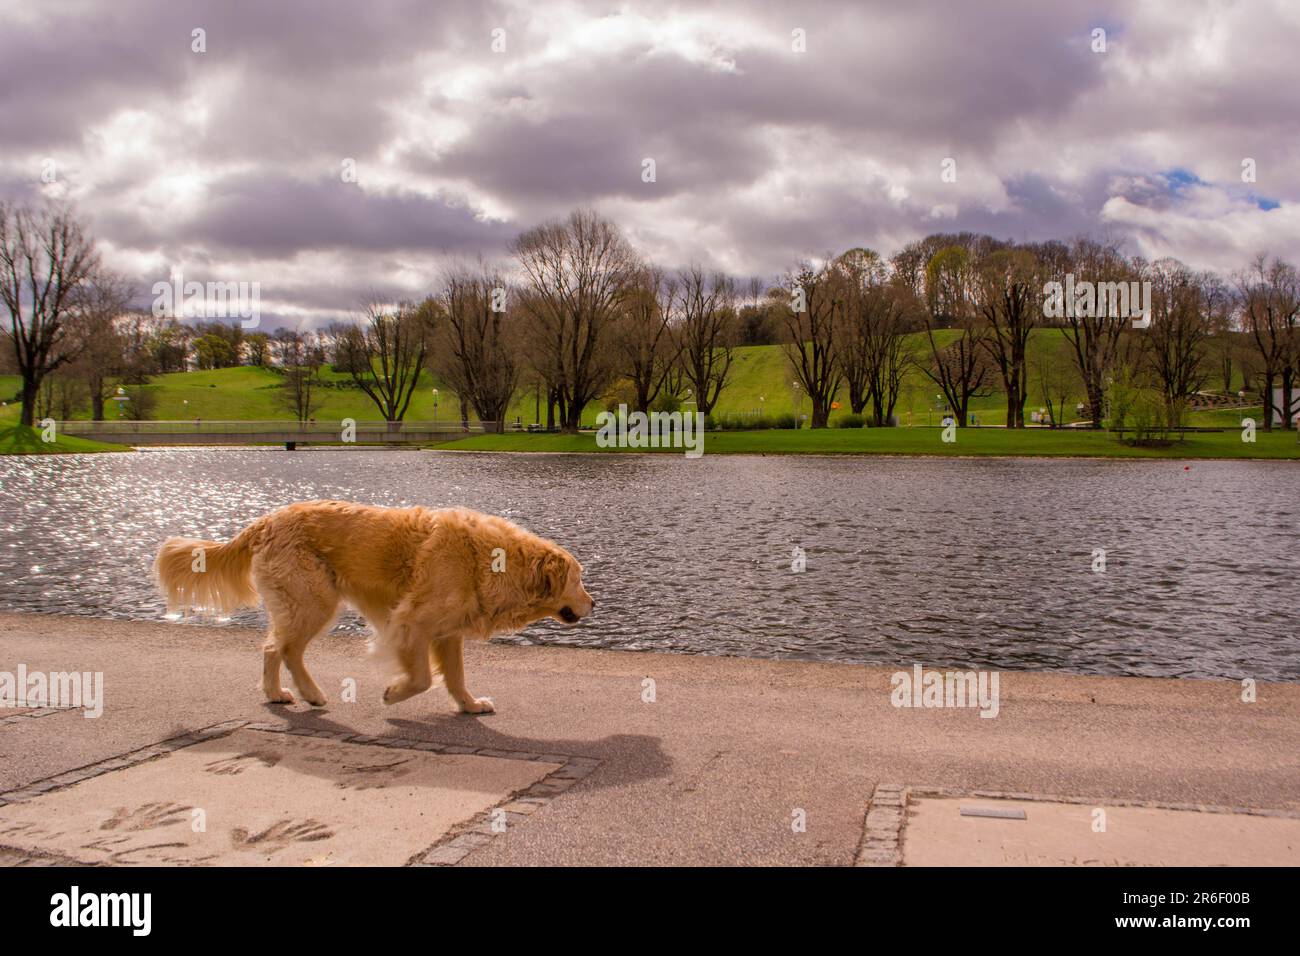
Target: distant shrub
735,423
666,403
852,420
1136,410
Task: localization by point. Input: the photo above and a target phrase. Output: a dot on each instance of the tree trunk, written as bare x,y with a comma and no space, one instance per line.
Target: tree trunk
1288,377
1268,401
572,418
31,391
1095,401
820,413
1016,407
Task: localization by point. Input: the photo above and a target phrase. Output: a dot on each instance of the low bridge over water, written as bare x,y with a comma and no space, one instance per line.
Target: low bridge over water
288,433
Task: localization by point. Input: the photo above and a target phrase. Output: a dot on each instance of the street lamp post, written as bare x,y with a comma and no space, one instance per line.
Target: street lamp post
435,409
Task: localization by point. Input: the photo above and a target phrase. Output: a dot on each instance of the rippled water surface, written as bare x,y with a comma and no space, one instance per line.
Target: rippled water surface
947,562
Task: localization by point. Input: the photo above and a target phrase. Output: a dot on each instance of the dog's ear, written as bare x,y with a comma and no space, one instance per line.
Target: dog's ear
548,574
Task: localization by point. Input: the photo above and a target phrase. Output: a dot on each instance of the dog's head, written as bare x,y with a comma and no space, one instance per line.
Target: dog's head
556,581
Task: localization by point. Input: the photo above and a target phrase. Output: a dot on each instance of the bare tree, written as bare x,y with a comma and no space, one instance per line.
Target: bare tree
45,257
1225,339
1095,335
1175,341
1269,293
863,274
301,360
542,350
257,348
705,331
816,301
645,348
1008,297
100,309
871,347
61,394
961,368
385,353
579,272
474,347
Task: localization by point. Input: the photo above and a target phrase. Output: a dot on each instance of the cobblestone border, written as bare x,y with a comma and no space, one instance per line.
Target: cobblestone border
882,833
1101,802
33,713
128,759
448,850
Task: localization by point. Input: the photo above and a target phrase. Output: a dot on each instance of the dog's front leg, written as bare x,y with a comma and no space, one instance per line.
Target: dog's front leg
449,652
417,673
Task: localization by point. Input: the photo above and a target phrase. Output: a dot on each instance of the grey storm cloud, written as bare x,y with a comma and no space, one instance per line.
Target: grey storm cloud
268,214
64,64
229,160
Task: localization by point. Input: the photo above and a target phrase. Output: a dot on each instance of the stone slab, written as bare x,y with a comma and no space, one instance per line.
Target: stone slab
1062,834
267,798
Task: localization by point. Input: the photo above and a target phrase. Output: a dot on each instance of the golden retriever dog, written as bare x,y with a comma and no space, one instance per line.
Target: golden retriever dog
425,580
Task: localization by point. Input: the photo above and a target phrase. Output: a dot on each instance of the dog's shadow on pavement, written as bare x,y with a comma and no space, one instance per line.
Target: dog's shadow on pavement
633,757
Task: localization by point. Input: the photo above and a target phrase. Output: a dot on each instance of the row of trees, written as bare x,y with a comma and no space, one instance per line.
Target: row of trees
581,317
992,294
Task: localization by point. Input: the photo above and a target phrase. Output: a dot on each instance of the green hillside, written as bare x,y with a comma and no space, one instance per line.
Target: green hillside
761,382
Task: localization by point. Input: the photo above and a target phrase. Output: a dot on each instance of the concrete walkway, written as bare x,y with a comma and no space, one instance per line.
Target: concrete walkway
720,768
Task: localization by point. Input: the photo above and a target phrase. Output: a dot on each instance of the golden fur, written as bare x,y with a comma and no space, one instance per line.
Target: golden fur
425,580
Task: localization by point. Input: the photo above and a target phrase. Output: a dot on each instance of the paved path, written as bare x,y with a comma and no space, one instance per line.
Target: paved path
715,769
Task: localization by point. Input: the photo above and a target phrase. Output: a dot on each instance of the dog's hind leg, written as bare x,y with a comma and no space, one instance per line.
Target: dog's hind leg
271,660
300,609
449,653
293,651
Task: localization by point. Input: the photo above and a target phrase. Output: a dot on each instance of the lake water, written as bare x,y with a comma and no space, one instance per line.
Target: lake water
947,562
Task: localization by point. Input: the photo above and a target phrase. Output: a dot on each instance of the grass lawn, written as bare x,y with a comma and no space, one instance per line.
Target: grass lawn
19,440
917,441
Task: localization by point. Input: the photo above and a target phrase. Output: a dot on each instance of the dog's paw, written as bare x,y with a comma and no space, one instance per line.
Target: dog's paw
478,705
284,697
397,692
316,700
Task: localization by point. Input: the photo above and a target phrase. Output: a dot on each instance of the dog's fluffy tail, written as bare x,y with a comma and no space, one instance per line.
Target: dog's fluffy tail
206,575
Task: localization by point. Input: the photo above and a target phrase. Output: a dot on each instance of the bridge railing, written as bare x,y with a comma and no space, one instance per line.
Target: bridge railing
319,429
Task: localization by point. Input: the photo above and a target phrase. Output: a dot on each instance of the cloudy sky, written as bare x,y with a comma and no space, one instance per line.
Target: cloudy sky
778,131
